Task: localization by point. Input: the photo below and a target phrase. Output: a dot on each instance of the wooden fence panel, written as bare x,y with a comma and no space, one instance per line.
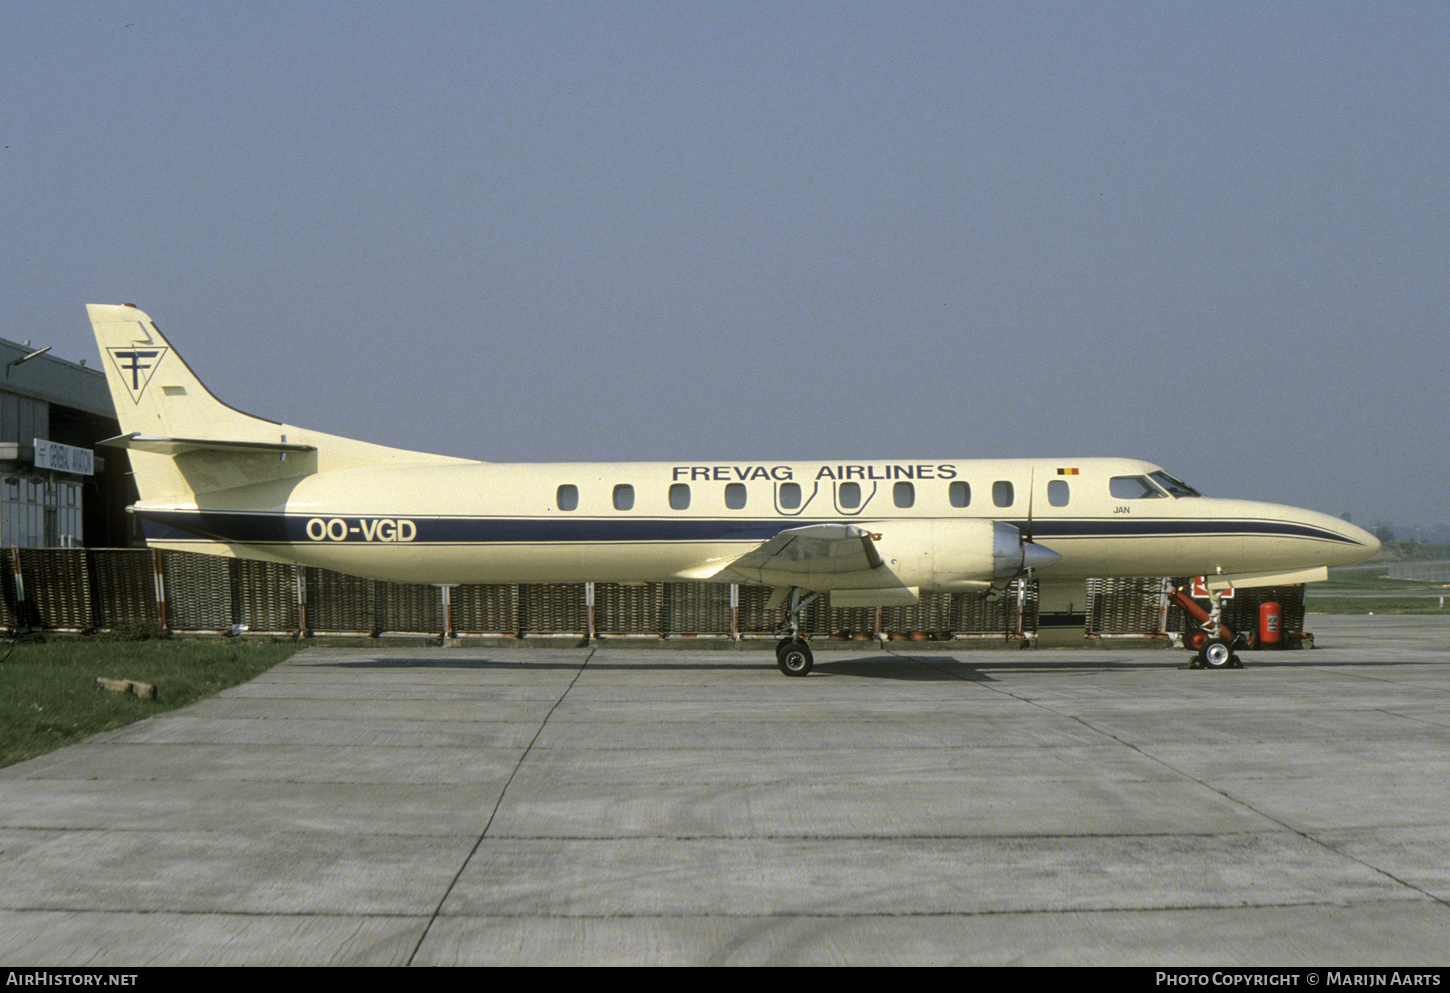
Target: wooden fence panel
57,588
340,604
266,595
10,602
124,582
410,607
556,608
198,591
620,609
480,608
695,608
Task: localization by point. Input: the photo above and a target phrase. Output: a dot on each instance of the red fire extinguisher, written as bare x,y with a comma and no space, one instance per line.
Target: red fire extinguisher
1269,616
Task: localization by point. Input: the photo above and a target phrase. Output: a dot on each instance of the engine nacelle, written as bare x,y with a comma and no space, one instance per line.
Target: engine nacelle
947,555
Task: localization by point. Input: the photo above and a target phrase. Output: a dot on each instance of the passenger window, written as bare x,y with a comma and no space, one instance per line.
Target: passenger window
1057,492
1002,493
1133,488
903,494
960,494
567,497
790,495
624,497
850,495
679,496
735,496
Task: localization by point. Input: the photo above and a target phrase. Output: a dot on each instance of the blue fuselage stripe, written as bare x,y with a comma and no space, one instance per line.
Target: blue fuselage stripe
268,529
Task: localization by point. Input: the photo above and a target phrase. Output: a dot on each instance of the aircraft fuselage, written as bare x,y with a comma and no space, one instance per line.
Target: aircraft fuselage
659,522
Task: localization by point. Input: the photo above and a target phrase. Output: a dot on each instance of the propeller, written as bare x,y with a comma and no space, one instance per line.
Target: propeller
1034,556
1031,492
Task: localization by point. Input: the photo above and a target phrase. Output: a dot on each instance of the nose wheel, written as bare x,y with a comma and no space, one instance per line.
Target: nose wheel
1217,653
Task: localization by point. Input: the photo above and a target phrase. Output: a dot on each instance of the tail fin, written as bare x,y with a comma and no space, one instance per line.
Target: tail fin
155,393
183,441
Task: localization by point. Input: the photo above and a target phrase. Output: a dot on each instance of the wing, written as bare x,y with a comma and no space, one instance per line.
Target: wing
842,558
822,550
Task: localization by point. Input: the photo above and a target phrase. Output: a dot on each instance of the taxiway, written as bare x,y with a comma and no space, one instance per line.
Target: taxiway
616,804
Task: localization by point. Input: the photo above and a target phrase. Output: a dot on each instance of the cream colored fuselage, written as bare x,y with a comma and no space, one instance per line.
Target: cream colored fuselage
511,523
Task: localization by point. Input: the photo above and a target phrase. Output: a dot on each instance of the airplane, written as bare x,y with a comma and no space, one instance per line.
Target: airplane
215,480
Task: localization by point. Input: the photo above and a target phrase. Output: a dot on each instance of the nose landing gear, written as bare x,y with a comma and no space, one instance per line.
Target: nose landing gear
1213,642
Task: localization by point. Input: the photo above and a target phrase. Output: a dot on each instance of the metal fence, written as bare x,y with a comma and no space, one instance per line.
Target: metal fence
90,589
1430,571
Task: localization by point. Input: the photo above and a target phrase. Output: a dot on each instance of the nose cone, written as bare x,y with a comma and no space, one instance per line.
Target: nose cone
1359,543
1337,541
1271,538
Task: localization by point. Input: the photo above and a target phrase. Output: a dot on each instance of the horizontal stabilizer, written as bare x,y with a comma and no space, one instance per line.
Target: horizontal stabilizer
183,446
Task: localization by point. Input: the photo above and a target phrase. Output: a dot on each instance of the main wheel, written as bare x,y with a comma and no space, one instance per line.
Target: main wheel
1216,654
794,658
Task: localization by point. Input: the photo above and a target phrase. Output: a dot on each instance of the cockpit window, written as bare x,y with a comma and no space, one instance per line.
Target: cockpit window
1173,485
1133,488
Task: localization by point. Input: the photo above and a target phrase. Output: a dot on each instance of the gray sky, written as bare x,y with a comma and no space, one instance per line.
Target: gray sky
1212,235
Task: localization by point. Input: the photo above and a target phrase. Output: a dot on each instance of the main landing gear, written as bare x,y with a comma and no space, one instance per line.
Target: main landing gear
792,654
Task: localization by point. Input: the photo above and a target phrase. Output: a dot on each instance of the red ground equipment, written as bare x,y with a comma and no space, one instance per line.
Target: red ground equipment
1271,619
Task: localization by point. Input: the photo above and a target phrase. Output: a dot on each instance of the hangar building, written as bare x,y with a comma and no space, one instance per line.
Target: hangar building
56,489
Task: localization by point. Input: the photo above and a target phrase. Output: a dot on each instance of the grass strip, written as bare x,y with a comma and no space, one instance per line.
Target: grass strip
48,696
1374,605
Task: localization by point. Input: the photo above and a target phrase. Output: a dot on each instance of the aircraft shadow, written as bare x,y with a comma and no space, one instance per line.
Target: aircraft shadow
900,668
946,668
1278,662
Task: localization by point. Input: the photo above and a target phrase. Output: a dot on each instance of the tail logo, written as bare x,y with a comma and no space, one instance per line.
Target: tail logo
136,366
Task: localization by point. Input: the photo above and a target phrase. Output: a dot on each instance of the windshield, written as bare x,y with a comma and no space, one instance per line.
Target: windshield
1133,488
1174,486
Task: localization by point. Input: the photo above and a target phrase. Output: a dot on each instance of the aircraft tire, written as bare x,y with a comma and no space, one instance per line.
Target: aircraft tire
794,658
1216,654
